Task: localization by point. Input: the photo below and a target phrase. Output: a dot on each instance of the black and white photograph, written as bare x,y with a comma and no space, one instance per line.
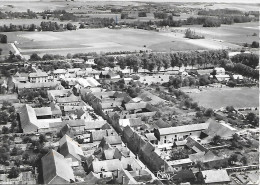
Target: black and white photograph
129,92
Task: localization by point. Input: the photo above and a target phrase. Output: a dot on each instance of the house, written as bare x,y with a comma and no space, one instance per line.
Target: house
30,122
35,86
98,135
172,134
58,73
142,107
90,61
180,164
124,177
56,169
106,166
132,122
222,77
238,77
151,138
208,158
113,140
53,94
38,77
214,177
219,70
70,148
70,100
184,176
109,75
148,97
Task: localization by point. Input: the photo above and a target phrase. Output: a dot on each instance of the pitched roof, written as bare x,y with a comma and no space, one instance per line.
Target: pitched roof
59,71
38,74
215,176
219,128
204,157
197,147
162,124
98,135
69,99
132,122
37,85
70,147
151,98
53,165
185,128
113,140
43,111
150,137
134,106
90,125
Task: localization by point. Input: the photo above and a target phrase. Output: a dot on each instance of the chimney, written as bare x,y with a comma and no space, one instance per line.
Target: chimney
117,173
123,179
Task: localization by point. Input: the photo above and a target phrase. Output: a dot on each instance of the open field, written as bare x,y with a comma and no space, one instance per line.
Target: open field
237,97
236,34
88,40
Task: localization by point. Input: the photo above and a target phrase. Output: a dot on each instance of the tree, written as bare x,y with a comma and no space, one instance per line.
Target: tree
216,139
255,44
243,160
14,172
209,112
35,57
230,108
14,151
252,119
42,138
5,130
6,104
70,26
233,158
26,157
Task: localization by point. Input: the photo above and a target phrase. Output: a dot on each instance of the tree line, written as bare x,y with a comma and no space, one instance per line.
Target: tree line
44,26
249,59
14,15
155,61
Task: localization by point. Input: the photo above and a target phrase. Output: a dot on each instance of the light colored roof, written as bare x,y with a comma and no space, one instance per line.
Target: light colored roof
150,137
59,92
38,74
43,111
53,165
98,135
215,176
90,125
70,147
134,106
240,77
179,162
185,128
59,71
113,140
107,165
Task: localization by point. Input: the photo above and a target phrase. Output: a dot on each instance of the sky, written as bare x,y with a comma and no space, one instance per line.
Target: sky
207,1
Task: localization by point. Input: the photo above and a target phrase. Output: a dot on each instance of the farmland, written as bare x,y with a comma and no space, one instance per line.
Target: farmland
237,97
106,40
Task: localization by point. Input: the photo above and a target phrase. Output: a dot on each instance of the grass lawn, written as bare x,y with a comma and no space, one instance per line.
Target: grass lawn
237,97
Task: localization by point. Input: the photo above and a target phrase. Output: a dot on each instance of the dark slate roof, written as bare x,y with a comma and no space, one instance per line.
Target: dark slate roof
53,165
